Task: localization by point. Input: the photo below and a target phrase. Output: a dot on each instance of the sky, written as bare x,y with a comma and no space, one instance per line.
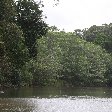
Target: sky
77,14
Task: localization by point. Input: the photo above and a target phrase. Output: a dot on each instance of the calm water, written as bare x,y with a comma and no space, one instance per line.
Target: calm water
56,100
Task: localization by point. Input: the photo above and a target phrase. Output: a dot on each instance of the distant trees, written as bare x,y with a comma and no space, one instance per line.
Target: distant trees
101,35
64,56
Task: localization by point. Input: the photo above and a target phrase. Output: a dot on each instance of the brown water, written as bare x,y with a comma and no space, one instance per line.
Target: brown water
56,100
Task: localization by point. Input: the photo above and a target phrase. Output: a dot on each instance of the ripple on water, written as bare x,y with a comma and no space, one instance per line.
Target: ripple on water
72,104
67,104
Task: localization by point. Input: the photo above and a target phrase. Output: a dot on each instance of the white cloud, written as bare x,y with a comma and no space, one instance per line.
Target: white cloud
73,14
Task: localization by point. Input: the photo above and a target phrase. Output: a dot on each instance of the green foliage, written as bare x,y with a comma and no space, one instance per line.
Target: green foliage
15,65
65,56
77,58
30,19
13,42
7,10
53,29
27,73
14,53
101,35
48,59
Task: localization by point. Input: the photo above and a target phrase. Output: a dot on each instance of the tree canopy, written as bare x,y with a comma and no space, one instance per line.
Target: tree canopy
29,17
34,53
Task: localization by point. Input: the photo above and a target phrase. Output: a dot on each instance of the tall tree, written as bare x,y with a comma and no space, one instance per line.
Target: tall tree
29,18
12,47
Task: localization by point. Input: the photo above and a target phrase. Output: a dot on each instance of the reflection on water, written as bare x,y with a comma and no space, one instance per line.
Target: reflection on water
56,100
53,91
68,104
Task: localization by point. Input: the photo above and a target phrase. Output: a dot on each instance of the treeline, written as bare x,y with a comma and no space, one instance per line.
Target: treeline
32,53
74,61
21,24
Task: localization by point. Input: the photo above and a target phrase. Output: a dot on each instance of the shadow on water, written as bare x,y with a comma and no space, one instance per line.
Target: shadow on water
46,92
15,105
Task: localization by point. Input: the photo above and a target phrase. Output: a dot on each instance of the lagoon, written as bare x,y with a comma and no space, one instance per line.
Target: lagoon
55,99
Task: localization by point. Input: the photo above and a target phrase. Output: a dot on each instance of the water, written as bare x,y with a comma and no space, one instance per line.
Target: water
50,99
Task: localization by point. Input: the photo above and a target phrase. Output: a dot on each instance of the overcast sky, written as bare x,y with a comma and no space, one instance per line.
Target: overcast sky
78,14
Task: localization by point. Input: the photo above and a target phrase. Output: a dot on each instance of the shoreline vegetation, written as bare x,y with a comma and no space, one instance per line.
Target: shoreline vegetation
32,53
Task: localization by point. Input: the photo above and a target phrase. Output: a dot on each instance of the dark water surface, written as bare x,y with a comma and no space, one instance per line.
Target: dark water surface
50,99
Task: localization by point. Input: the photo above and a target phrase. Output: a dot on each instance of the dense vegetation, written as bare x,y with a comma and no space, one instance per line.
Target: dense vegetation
31,53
